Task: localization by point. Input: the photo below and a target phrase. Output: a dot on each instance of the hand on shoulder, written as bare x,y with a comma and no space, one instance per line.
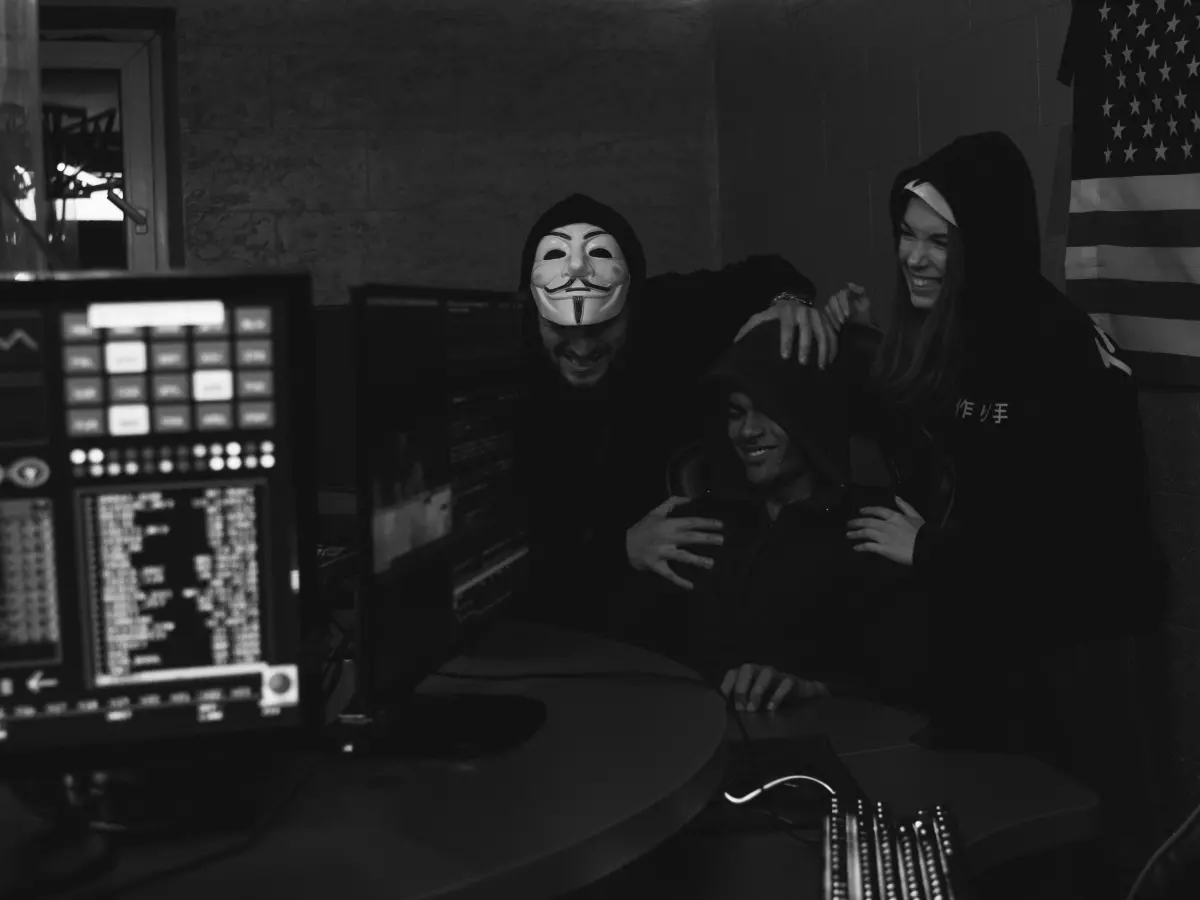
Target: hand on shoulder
658,540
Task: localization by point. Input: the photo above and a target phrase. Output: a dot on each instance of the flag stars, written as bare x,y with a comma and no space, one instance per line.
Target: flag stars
1162,5
1121,80
1129,151
1181,45
1160,152
1157,101
1187,150
1165,72
1141,77
1104,11
1107,155
1147,129
1172,125
1107,108
1118,130
1136,106
1141,29
1152,50
1133,9
1195,121
1107,59
1128,54
1116,30
1181,99
1194,67
1173,24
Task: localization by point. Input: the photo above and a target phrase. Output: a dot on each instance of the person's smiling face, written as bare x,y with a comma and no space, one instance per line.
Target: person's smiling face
764,448
923,250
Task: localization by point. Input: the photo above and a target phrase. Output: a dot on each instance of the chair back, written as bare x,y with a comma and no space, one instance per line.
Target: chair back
687,473
1173,874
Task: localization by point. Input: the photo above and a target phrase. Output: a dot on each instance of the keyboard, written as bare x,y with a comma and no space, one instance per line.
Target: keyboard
871,856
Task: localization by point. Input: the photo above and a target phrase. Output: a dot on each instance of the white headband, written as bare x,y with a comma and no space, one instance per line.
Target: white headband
933,197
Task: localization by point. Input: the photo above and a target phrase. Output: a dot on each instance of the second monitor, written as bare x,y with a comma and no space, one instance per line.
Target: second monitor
443,525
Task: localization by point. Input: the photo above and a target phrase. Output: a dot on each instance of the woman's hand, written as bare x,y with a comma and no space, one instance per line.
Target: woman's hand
887,532
750,683
654,542
843,308
794,316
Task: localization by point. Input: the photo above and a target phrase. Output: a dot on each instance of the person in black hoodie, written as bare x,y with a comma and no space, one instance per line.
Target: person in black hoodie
788,609
613,359
1047,555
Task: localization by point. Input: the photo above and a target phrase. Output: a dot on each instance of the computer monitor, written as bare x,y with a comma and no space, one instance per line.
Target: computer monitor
443,525
155,511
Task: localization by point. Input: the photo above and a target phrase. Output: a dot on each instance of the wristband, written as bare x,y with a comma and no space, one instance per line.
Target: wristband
789,297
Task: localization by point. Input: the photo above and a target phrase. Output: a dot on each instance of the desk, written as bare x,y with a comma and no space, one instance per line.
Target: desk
619,767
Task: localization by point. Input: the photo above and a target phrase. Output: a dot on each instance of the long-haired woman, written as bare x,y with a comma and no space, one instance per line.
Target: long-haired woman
1043,545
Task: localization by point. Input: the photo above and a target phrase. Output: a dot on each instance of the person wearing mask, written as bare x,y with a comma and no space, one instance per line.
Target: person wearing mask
788,609
613,358
1046,560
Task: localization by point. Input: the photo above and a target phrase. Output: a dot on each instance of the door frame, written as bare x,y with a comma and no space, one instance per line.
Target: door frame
143,134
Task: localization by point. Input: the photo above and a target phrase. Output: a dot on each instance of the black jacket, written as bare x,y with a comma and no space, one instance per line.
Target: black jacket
1049,539
791,593
593,462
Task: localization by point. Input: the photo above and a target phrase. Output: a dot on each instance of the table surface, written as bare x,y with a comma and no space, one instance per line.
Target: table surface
620,766
1007,806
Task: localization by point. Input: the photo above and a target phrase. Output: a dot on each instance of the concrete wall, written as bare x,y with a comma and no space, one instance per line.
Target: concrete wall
415,141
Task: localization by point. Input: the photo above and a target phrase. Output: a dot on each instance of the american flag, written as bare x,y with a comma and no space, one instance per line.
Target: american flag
1133,233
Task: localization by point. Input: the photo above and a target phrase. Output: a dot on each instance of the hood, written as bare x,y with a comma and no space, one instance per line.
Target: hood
988,186
814,406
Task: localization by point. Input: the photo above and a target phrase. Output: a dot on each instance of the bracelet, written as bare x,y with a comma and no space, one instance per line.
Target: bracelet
789,297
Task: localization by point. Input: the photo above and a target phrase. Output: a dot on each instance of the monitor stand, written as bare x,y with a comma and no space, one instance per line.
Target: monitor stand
452,726
66,852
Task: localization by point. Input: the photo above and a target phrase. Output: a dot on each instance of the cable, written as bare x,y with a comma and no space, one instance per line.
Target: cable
786,779
778,819
1162,851
334,663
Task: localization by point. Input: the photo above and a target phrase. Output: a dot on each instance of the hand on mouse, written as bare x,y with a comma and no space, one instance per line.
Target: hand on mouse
750,683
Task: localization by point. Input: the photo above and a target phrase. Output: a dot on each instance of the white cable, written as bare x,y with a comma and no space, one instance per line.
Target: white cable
1179,832
772,784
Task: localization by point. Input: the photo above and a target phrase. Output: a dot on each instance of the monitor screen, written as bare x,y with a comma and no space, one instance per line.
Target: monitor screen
440,381
150,543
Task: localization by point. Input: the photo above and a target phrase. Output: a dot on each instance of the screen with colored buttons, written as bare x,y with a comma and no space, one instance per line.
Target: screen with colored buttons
149,520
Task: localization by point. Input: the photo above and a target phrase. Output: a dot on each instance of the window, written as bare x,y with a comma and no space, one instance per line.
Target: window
103,126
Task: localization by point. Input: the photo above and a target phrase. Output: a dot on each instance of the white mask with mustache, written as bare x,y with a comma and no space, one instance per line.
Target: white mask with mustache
579,275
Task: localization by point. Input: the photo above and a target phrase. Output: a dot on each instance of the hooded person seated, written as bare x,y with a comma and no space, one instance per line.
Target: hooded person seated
786,607
613,361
